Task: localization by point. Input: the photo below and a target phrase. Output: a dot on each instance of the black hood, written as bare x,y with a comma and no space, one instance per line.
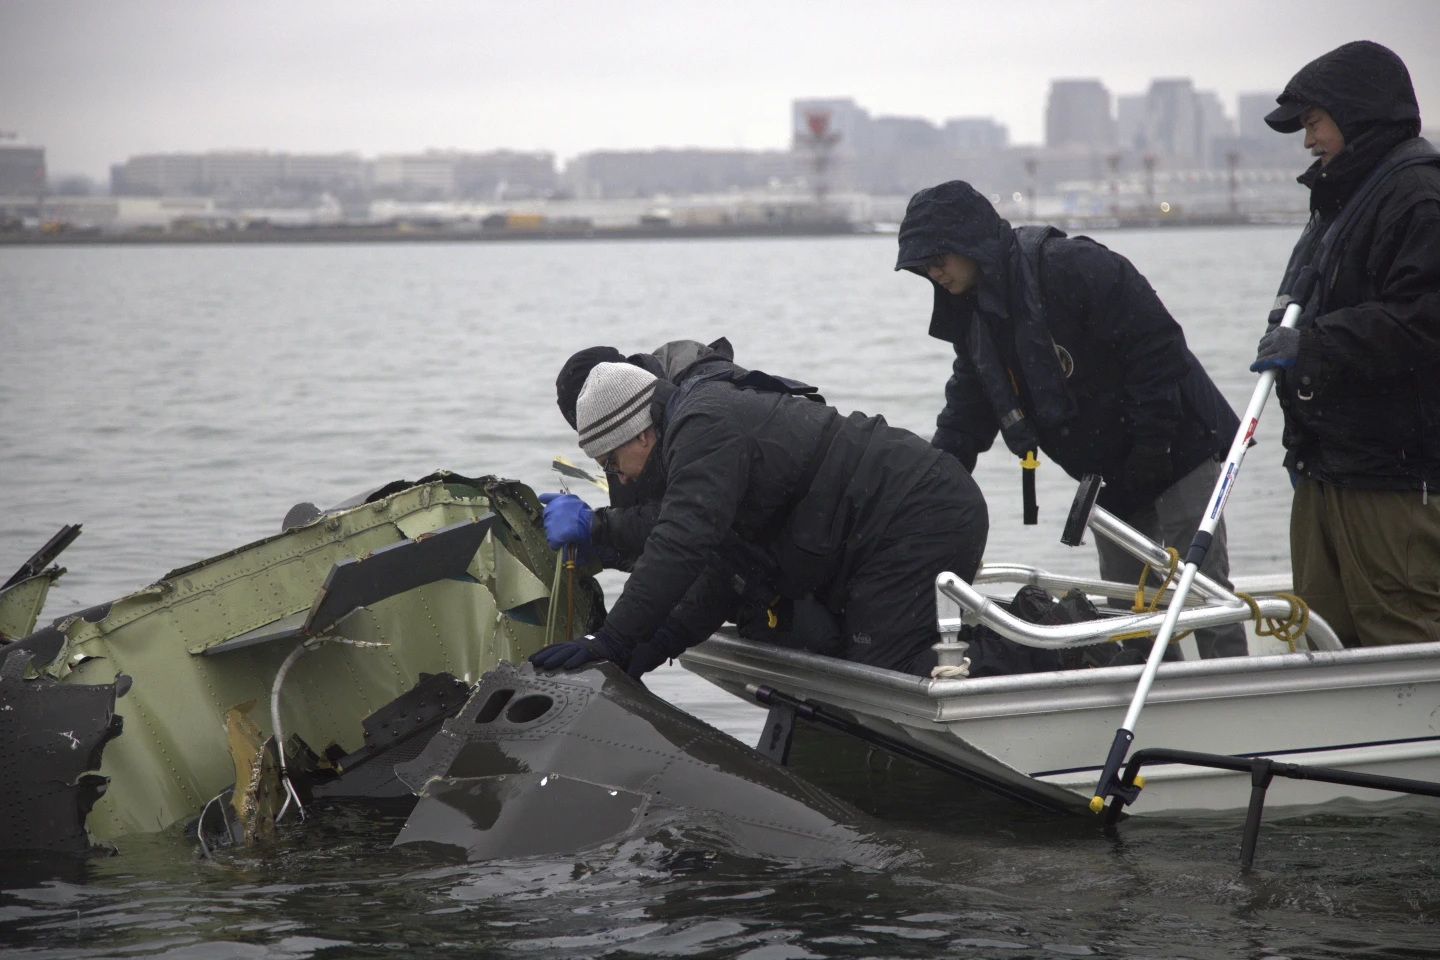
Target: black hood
1360,84
671,361
954,218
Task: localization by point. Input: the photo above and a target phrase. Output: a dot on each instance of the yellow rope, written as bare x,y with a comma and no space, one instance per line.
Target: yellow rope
1286,630
1142,606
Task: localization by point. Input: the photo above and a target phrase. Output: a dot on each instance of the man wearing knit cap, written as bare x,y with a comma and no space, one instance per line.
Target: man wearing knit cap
1360,373
854,517
618,531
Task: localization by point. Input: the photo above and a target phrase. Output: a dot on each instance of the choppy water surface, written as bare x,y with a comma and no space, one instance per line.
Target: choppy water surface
178,400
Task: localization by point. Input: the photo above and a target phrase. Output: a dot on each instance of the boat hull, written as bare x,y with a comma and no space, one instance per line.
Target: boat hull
1373,710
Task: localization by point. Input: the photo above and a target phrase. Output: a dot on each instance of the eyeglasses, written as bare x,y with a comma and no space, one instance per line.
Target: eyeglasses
607,460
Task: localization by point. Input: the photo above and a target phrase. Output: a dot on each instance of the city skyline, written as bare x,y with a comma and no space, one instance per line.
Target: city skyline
95,83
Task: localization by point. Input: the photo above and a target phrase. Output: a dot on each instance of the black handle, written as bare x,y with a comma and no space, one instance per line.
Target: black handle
1027,489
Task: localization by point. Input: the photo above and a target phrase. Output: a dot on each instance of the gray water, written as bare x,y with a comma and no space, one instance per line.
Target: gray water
178,400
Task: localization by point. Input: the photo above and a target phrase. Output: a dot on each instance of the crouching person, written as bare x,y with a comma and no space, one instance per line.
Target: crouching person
851,518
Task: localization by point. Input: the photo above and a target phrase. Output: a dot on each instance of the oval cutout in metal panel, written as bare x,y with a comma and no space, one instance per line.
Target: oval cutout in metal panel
494,705
530,708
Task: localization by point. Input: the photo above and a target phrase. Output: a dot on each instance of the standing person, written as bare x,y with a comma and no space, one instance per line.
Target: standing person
1062,346
1360,375
851,512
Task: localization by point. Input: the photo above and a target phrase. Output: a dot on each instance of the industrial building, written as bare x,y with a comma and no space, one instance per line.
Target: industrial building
22,168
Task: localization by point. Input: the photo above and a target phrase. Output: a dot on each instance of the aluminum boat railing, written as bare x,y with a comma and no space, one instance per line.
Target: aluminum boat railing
1210,604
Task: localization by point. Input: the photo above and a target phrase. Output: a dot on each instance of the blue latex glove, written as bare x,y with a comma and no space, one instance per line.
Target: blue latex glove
567,520
663,646
1278,349
573,654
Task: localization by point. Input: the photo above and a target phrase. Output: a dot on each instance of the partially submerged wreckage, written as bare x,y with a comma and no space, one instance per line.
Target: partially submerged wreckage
338,659
367,651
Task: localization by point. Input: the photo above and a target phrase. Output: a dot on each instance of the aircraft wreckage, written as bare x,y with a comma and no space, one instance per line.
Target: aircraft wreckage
339,659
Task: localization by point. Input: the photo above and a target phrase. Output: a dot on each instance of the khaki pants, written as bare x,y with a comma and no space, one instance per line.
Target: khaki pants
1172,521
1368,561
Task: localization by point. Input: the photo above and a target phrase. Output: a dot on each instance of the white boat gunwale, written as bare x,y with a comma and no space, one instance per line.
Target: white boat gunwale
934,713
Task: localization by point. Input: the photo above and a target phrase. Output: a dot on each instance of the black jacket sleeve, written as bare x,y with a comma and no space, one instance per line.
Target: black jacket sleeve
709,602
967,426
707,465
1399,330
624,530
1123,310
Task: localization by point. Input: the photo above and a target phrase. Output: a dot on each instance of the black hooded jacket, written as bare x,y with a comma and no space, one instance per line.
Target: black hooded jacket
1071,335
1362,404
734,460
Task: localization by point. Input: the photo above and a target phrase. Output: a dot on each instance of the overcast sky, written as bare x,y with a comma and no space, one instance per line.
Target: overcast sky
95,81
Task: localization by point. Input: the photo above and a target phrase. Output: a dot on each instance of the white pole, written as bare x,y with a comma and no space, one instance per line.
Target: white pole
1109,784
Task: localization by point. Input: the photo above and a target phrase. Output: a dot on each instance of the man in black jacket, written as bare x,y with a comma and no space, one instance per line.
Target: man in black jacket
619,530
616,534
854,513
1360,374
1062,346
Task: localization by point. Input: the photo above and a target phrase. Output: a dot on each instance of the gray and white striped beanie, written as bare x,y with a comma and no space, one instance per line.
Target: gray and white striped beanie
614,406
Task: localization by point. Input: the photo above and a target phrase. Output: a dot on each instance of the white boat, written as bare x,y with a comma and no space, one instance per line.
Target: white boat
1045,736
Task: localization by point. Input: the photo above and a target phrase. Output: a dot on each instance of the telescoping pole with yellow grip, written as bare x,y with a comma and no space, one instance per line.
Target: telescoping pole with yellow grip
1110,785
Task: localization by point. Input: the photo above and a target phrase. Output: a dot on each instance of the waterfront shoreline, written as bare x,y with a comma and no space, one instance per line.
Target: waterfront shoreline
405,233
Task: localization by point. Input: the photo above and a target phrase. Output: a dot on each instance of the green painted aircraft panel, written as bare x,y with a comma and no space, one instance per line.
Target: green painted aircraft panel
174,756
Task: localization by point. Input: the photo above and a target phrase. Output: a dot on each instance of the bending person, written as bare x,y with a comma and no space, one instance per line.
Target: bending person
1061,346
849,513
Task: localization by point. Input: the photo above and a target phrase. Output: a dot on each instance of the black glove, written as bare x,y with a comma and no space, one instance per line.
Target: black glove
572,654
958,444
664,645
1147,468
1278,349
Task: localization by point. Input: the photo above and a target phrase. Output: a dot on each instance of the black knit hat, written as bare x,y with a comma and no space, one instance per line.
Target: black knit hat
572,377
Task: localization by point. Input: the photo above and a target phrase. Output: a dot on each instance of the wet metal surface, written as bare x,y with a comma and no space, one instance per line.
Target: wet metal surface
564,762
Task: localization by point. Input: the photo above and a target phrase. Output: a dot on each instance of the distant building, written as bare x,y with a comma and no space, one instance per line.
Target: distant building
646,173
429,175
22,168
328,170
453,174
1175,121
159,175
505,174
899,155
976,135
1251,114
898,134
1078,114
1257,145
1214,125
1130,122
236,174
842,117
